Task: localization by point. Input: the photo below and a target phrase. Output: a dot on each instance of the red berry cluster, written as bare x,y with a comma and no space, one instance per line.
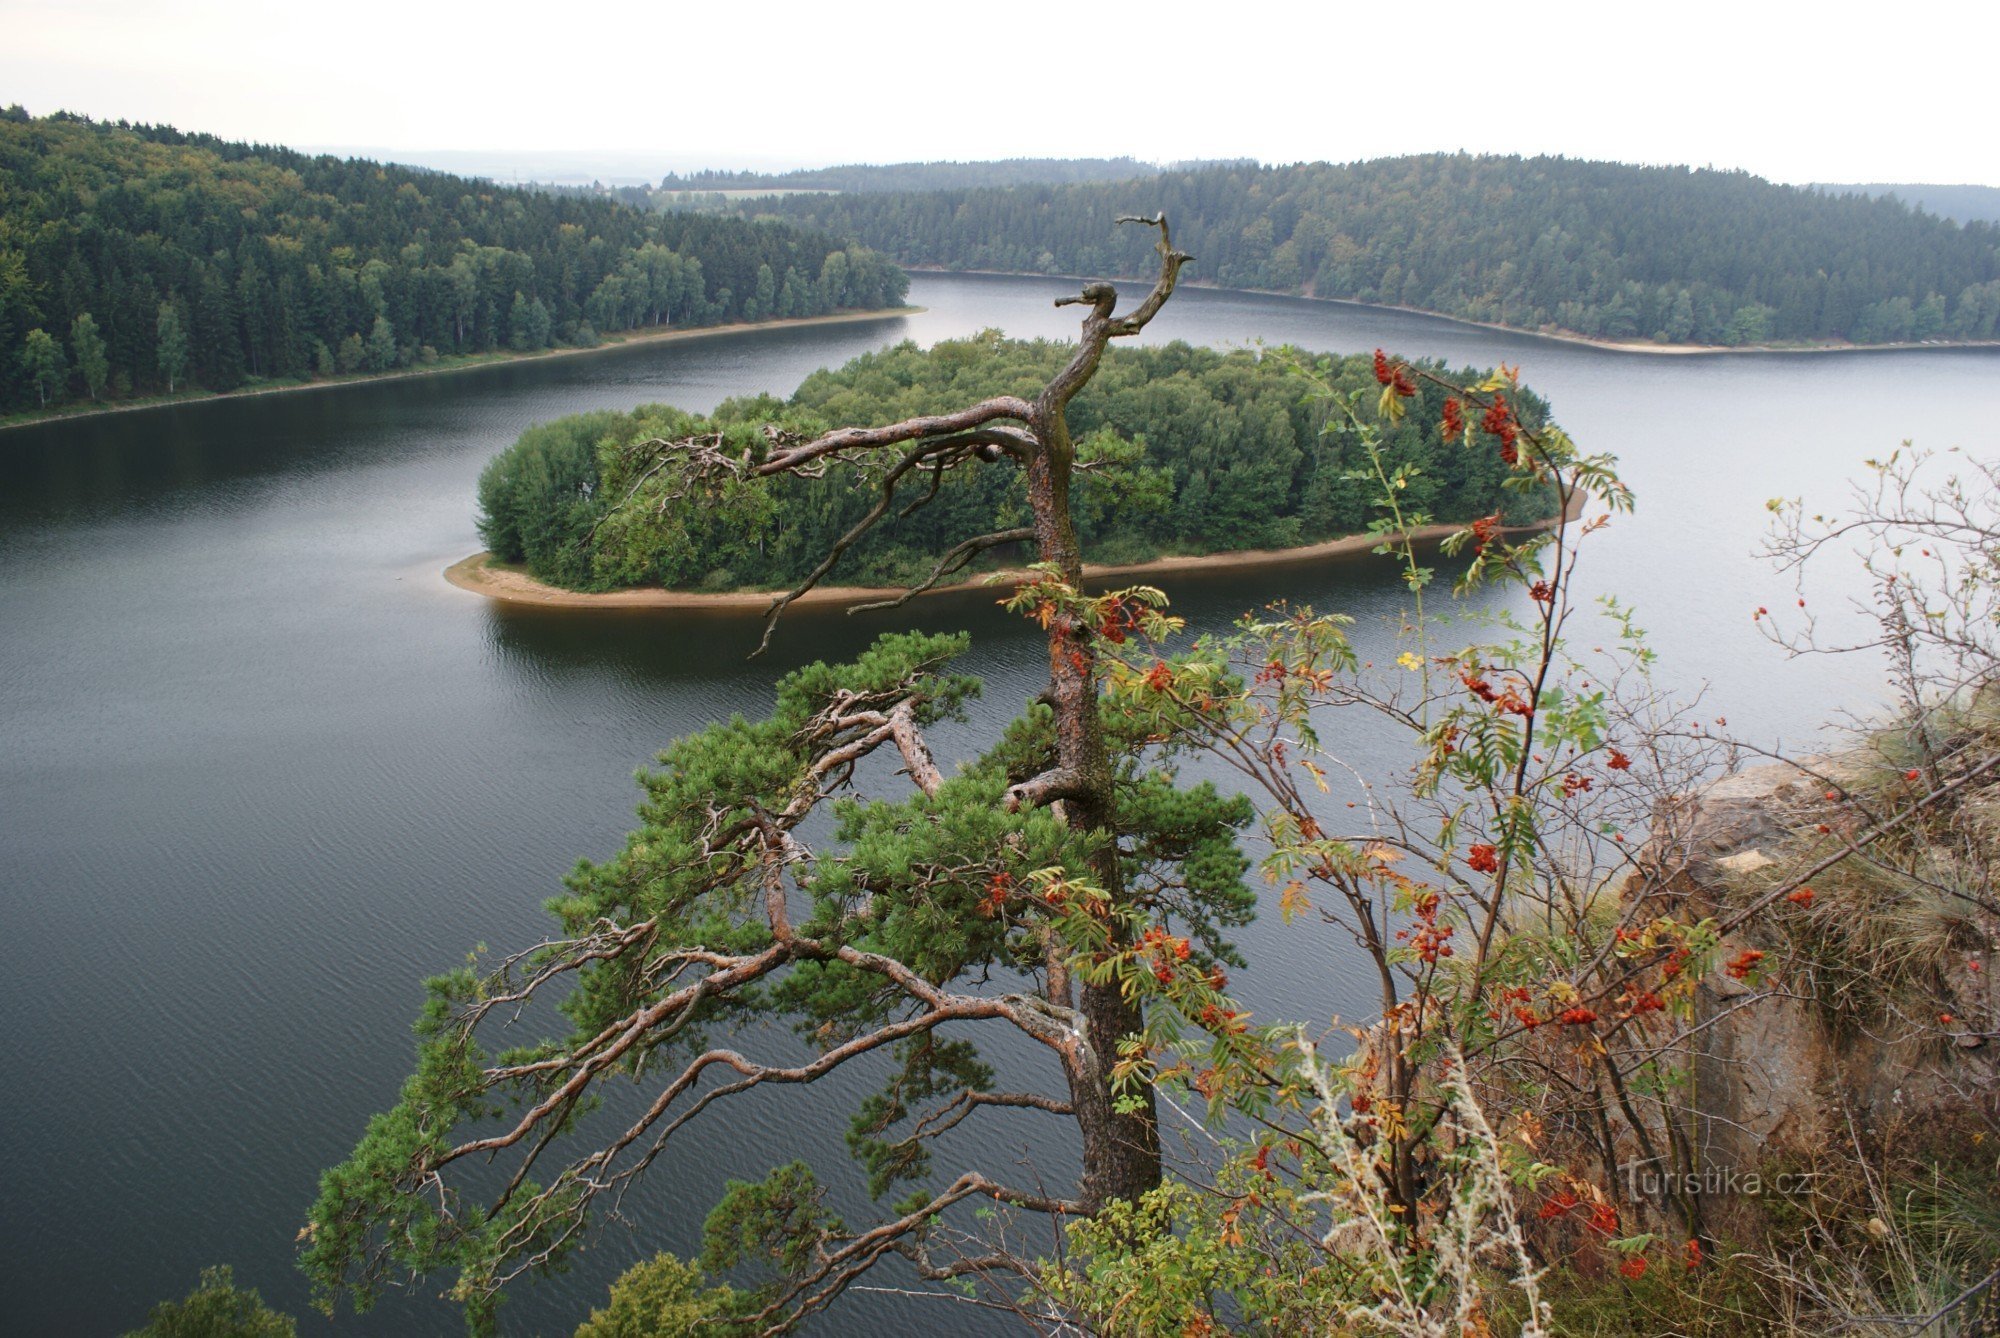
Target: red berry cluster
1454,419
1429,939
998,888
1743,964
1643,1003
1560,1202
1499,420
1227,1021
1396,376
1116,620
1166,950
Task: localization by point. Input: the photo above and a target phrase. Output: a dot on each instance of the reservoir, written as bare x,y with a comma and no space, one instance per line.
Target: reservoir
262,769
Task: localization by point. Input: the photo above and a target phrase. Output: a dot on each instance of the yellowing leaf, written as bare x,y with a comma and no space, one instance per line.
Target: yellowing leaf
1292,899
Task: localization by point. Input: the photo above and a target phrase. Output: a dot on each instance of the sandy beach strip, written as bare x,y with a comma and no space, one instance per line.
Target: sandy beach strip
480,575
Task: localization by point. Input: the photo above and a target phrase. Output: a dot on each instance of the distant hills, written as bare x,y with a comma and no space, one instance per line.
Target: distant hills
138,259
1965,204
918,176
1605,250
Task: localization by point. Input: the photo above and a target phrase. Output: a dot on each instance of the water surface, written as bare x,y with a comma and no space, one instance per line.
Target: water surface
264,770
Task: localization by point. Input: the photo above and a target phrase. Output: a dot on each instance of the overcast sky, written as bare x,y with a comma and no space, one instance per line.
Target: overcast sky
1794,92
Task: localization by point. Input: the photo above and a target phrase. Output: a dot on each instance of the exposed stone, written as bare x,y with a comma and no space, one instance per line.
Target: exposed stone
1771,1076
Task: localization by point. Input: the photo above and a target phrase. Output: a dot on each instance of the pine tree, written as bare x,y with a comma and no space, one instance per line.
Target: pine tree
1058,850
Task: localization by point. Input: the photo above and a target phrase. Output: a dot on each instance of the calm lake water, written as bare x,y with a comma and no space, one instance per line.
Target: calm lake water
263,770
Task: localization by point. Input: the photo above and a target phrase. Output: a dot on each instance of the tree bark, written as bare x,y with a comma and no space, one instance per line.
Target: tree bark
1121,1150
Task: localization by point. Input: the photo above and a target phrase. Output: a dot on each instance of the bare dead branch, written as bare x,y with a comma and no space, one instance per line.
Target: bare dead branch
953,562
895,434
1055,784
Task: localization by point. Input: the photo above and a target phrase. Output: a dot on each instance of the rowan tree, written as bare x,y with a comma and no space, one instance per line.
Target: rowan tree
1033,891
1538,900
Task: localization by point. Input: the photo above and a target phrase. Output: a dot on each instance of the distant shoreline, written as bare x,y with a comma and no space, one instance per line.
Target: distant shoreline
462,363
1556,336
509,585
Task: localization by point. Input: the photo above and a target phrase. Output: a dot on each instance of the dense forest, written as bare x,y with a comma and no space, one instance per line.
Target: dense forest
140,259
918,176
1193,450
1601,249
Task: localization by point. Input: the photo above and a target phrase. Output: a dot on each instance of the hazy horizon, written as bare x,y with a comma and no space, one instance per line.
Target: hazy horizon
1722,85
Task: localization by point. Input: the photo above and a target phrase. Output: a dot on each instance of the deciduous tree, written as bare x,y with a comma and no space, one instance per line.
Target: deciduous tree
43,363
92,362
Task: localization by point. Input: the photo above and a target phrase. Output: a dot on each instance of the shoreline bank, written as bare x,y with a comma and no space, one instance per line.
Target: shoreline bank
1554,336
477,575
466,363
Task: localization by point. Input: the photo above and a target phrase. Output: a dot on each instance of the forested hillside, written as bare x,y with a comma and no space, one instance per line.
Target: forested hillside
1601,249
139,259
1194,451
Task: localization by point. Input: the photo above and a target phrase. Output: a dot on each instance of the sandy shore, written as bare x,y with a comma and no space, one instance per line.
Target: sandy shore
481,576
470,362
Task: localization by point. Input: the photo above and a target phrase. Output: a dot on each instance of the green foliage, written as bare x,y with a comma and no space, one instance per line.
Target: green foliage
1603,249
268,256
781,1220
381,345
666,1297
173,345
43,365
91,362
217,1308
1186,450
1290,1233
944,883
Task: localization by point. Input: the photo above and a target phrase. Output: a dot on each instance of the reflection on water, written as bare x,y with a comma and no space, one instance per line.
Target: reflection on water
264,770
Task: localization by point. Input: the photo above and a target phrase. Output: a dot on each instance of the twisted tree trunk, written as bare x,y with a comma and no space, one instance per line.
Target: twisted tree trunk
1121,1150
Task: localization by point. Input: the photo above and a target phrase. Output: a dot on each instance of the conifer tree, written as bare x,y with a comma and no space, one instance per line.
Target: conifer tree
1019,892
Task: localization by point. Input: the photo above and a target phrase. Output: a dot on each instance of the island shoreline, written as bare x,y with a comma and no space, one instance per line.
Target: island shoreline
475,362
477,575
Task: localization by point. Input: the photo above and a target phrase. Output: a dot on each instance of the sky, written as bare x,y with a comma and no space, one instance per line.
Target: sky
1793,92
